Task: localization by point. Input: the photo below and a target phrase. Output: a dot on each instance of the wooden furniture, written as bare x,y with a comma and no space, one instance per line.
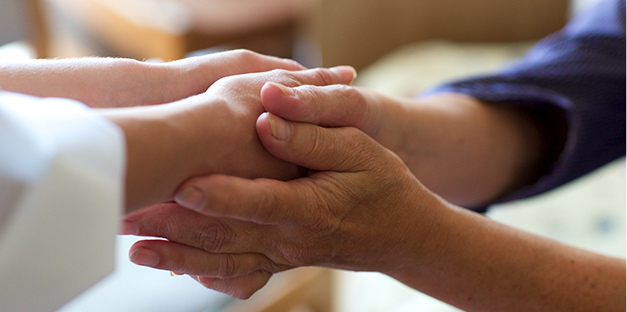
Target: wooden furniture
39,36
171,29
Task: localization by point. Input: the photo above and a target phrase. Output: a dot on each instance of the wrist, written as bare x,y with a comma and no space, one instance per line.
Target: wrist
465,150
179,80
160,156
187,77
426,239
144,83
114,83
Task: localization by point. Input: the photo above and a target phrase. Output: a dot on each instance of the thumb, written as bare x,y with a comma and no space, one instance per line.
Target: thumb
322,149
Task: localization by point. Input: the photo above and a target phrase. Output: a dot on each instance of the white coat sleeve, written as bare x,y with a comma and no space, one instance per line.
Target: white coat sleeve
61,194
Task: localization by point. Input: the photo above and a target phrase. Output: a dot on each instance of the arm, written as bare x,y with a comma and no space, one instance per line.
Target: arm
209,133
113,82
362,209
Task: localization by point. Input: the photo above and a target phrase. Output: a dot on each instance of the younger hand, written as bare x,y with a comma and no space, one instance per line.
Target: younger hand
191,76
118,82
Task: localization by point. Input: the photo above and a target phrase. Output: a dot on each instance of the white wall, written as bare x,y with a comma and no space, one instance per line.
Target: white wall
13,21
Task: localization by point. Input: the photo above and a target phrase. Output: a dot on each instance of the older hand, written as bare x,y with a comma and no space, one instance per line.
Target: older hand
360,208
355,210
468,151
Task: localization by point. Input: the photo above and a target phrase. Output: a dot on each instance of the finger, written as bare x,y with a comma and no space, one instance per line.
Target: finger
166,255
261,201
261,63
317,148
187,227
316,76
240,61
327,106
242,287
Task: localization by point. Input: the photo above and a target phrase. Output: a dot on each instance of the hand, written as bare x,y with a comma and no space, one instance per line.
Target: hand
361,209
191,76
210,133
113,82
334,106
468,151
355,210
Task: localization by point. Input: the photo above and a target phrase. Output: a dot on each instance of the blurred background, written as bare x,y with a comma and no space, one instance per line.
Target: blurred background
400,47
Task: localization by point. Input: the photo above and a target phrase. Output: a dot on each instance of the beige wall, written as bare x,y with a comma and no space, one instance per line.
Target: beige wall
357,32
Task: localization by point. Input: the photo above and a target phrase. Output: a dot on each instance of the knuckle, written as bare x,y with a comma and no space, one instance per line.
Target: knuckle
267,204
323,76
212,236
323,218
285,77
353,105
312,97
361,143
317,143
226,266
158,223
355,99
225,83
245,54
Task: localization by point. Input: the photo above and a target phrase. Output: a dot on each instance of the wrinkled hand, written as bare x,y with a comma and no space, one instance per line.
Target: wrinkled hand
355,210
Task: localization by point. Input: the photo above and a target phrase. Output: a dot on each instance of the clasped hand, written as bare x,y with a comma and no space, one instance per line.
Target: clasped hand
353,210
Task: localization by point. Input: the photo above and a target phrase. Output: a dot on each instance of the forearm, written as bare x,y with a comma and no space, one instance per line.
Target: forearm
480,265
97,82
467,151
153,169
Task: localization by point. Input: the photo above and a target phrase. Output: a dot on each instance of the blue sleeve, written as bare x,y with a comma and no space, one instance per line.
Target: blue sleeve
579,73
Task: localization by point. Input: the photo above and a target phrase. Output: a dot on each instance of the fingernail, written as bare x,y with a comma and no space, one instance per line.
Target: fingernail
191,198
285,90
144,256
281,129
341,70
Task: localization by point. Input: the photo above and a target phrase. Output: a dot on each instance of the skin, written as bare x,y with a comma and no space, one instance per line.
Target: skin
213,132
117,82
207,125
467,151
361,207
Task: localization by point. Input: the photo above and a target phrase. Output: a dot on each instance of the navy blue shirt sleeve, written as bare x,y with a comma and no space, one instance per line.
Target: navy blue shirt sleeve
579,72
